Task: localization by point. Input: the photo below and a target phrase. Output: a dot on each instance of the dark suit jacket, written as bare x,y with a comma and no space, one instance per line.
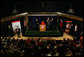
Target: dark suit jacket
18,32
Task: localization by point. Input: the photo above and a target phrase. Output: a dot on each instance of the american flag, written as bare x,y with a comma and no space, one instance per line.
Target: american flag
61,23
25,21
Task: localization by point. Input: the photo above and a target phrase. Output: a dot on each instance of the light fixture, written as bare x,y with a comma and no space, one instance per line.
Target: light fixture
71,11
42,4
14,11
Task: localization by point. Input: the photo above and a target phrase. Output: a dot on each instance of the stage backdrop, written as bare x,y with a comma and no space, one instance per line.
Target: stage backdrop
50,26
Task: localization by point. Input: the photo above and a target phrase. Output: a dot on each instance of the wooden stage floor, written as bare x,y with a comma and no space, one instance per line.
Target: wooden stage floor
66,36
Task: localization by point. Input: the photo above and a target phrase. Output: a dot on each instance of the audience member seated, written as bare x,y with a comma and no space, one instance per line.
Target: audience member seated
15,47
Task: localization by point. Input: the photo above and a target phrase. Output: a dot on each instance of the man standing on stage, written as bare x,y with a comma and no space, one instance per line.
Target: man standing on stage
48,23
52,24
18,31
37,25
75,30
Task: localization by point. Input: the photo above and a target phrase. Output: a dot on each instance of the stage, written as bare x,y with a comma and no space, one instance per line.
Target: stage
43,34
66,36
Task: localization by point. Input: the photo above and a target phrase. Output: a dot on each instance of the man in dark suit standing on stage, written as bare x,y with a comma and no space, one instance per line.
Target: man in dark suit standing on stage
48,23
18,31
37,25
52,24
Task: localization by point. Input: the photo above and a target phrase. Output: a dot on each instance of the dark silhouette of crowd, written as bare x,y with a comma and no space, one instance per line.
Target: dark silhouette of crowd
38,47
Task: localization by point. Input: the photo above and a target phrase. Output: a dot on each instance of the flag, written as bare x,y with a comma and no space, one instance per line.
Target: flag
25,21
61,23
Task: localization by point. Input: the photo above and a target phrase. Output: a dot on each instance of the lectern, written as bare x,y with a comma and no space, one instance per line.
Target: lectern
42,27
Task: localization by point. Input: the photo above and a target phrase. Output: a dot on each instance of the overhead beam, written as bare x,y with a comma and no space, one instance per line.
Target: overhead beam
13,17
70,16
42,13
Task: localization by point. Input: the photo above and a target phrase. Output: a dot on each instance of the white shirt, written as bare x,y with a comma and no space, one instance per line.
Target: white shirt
75,28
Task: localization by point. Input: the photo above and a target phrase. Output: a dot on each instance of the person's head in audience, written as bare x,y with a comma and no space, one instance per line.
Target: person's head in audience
19,47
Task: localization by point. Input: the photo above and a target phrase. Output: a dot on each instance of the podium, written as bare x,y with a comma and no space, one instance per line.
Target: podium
42,28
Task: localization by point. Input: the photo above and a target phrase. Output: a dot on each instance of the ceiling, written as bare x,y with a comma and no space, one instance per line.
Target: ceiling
7,7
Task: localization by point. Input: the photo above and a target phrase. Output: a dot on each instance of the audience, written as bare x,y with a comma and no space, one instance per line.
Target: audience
31,47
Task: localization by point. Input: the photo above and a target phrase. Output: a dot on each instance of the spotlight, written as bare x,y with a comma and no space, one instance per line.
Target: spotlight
71,11
14,11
